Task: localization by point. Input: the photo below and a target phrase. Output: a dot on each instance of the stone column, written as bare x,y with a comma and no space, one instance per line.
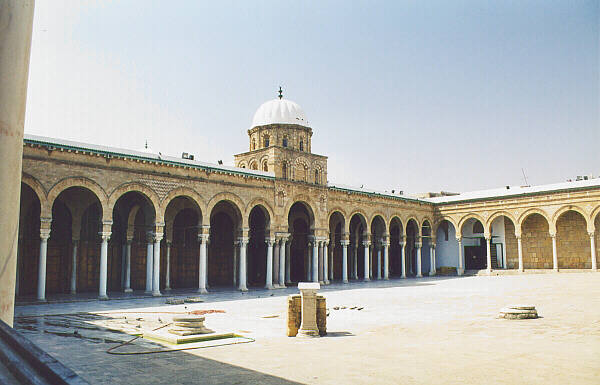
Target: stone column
282,258
269,278
488,240
149,264
386,261
103,264
41,291
461,269
345,244
74,267
355,261
16,18
379,247
128,266
432,270
168,268
367,269
372,258
419,245
326,262
309,261
520,249
403,254
593,246
308,290
315,262
554,253
276,259
202,264
156,273
288,269
236,258
242,279
321,263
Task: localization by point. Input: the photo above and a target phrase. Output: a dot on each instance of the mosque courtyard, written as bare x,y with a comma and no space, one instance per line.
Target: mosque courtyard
438,330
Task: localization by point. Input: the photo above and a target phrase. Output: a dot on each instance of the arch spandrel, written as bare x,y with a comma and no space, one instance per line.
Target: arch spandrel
81,182
563,209
142,189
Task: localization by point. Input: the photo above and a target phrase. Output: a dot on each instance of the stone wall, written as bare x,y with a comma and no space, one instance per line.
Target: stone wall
537,244
572,242
512,247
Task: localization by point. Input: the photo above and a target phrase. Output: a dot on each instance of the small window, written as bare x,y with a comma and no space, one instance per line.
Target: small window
267,141
317,176
301,146
284,171
253,144
265,167
285,142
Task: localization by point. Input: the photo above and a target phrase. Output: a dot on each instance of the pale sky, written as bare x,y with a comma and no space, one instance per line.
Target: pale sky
406,95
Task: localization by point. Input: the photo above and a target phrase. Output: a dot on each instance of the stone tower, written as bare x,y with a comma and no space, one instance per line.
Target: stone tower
280,141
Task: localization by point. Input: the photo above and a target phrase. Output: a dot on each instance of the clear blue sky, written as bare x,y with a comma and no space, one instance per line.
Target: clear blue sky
411,95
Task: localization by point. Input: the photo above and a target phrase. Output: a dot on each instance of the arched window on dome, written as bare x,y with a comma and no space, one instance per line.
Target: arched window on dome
284,171
253,166
266,140
301,145
253,144
316,176
285,142
265,166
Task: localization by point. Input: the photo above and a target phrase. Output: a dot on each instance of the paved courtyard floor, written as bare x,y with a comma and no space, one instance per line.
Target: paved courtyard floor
439,330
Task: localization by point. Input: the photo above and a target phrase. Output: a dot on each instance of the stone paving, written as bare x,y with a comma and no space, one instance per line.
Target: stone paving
438,330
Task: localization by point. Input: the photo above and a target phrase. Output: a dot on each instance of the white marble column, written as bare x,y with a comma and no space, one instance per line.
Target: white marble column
593,247
386,261
488,254
355,261
308,261
432,270
345,244
326,262
269,278
156,260
203,264
554,253
128,266
103,264
315,262
321,263
276,259
367,267
403,257
242,278
419,245
282,258
149,263
288,269
168,268
461,269
520,250
379,247
41,290
236,259
74,267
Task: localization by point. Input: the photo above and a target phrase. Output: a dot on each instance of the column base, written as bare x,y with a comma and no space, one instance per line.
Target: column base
147,292
308,333
419,276
202,291
73,292
269,287
489,271
103,297
327,282
41,300
386,278
243,289
556,270
129,290
366,279
432,273
156,294
403,276
345,281
167,289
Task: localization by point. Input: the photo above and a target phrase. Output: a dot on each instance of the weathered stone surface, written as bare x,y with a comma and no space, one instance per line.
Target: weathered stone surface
189,318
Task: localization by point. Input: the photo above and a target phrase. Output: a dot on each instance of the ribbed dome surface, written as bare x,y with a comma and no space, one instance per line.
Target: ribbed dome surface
279,111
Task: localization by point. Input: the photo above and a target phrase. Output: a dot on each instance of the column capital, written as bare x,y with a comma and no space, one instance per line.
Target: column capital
418,244
45,234
243,241
432,245
458,239
129,238
591,234
367,243
345,242
270,242
158,237
203,238
402,243
552,234
105,235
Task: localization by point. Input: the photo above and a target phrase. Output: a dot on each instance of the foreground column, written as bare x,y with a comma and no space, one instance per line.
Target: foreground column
554,253
41,292
74,268
269,278
276,259
242,279
282,257
403,252
168,268
520,248
308,290
593,246
128,266
432,270
202,276
366,249
418,245
315,262
386,261
149,257
156,274
461,269
488,240
103,264
16,19
326,262
345,260
321,263
288,270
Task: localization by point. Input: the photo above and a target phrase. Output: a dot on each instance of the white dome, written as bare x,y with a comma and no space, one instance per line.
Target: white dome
279,111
